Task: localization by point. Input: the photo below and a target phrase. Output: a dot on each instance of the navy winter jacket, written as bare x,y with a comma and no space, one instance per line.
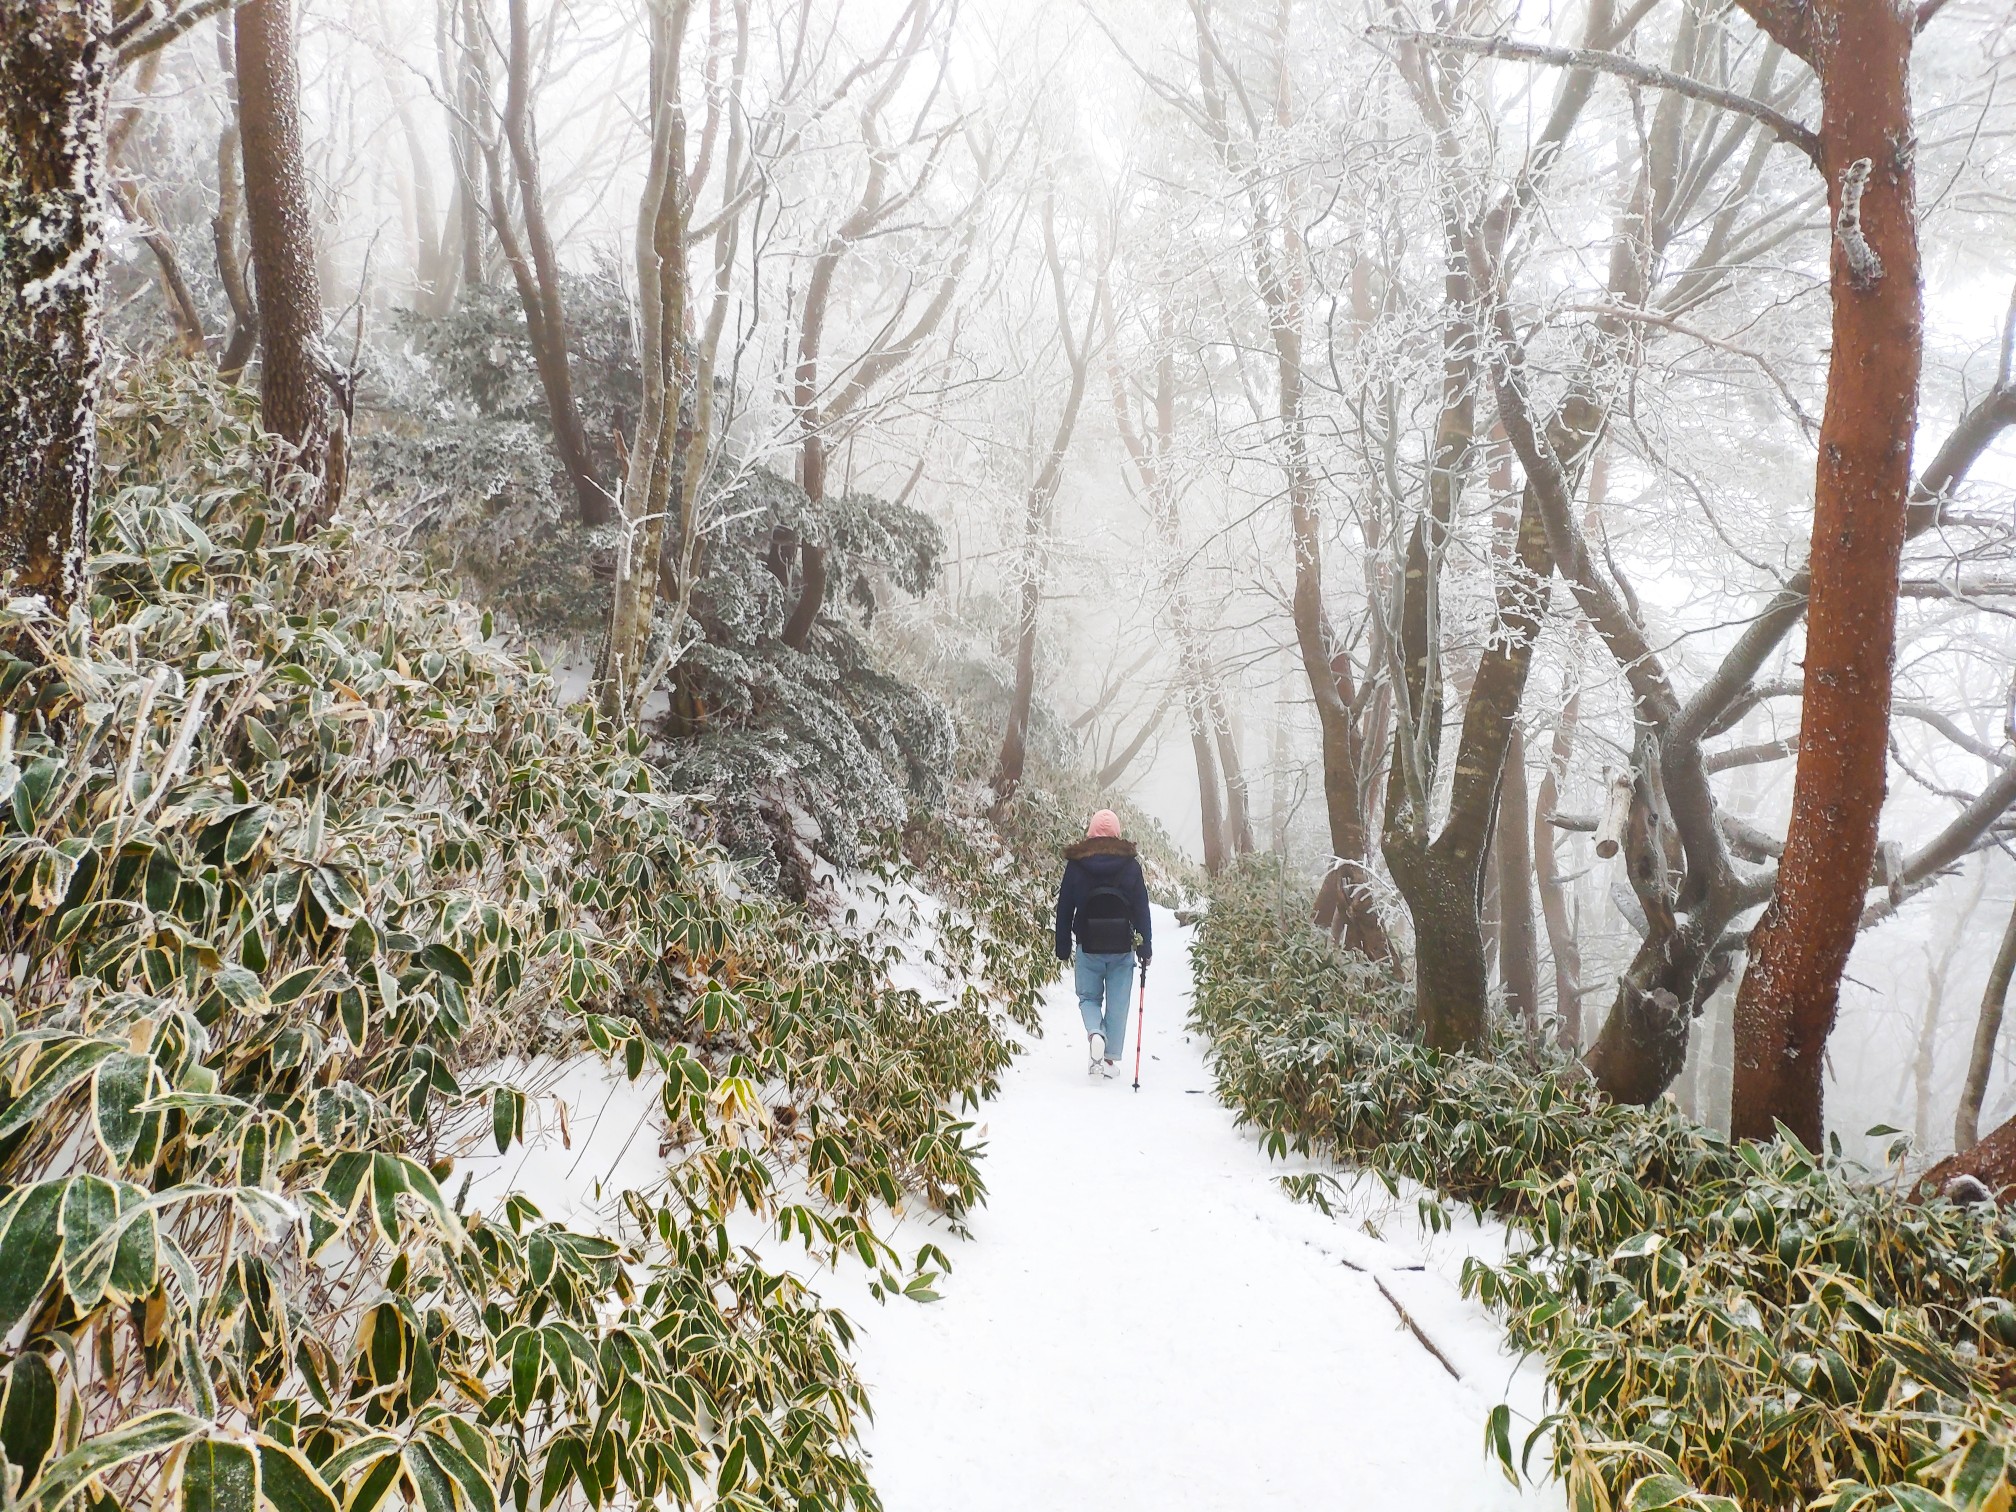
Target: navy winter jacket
1091,864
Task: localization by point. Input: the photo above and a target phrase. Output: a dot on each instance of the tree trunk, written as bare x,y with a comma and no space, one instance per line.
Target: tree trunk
1987,1033
471,85
1346,904
1013,757
664,460
52,267
811,594
1518,946
1992,1162
536,270
1451,976
1786,1005
1211,815
1561,942
1238,807
293,402
226,229
1442,879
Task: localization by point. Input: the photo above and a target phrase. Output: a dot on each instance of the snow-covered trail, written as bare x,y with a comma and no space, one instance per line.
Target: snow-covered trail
1143,1320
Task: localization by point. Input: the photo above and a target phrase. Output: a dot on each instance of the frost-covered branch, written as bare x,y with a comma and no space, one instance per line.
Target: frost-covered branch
1781,125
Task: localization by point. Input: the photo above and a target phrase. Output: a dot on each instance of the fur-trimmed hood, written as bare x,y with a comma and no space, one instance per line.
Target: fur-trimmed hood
1083,850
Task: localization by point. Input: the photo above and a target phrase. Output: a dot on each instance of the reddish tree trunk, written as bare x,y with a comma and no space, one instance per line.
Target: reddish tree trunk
52,263
1992,1162
293,402
1785,1007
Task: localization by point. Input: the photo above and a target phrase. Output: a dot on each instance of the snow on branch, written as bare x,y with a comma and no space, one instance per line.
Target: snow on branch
1780,125
1865,268
135,40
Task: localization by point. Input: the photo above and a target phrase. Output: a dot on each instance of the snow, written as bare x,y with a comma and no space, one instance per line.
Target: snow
590,1136
1140,1318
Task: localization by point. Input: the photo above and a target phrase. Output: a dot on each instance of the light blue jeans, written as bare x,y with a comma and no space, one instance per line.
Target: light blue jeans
1105,982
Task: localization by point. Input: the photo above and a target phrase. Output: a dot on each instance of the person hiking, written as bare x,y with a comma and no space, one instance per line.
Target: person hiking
1102,907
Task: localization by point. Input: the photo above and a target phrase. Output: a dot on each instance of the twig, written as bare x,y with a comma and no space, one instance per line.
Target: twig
133,44
1415,1329
1781,126
1720,344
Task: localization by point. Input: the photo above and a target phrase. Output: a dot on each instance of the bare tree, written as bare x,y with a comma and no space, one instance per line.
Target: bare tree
668,456
1038,501
1236,122
535,265
1150,444
1685,857
820,418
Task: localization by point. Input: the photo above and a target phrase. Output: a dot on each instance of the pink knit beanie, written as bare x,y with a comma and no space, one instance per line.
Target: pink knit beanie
1105,825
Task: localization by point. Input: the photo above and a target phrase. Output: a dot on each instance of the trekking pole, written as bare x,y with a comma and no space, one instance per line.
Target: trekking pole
1141,1026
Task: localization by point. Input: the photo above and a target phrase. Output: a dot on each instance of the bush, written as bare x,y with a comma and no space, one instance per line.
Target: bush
1749,1322
291,849
765,735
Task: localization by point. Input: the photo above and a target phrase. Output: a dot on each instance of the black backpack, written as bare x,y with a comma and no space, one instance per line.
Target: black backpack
1105,922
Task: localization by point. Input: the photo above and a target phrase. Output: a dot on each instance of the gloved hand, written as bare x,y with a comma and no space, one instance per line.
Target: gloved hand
1064,957
1144,955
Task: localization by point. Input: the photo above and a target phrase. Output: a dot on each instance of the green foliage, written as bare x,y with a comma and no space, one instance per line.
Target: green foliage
461,455
292,849
1749,1322
767,732
761,733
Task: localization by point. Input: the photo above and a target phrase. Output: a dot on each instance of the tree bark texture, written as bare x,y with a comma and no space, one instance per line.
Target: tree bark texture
293,401
1987,1034
1786,1004
52,268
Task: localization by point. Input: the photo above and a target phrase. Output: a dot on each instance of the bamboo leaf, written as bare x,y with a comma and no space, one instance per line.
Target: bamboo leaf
288,1483
70,1066
219,1475
28,1252
132,1440
28,1414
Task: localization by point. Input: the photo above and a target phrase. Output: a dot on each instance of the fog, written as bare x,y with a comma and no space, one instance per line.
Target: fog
1123,295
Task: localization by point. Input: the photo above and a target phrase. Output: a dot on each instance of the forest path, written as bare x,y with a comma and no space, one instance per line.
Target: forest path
1142,1319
